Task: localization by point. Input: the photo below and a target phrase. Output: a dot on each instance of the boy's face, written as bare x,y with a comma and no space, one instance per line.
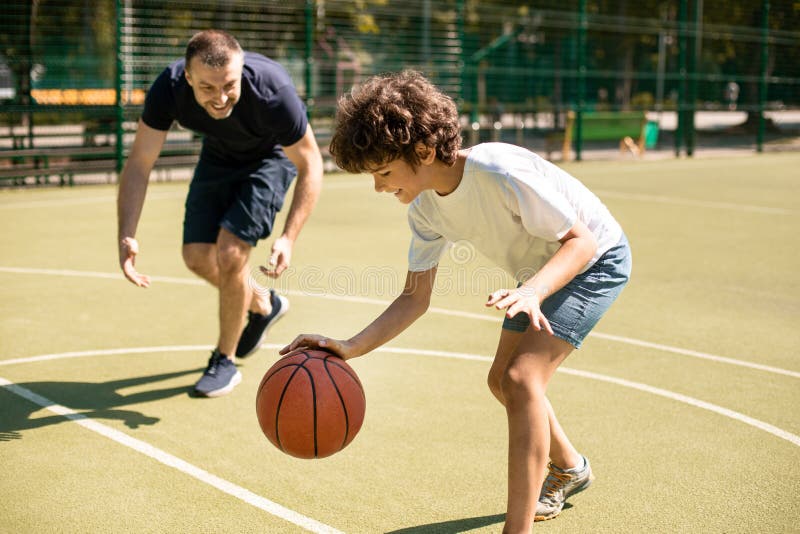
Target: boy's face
216,89
404,180
399,178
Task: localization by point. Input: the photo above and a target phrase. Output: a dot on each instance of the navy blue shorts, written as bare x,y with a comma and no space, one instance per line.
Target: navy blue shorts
575,309
243,199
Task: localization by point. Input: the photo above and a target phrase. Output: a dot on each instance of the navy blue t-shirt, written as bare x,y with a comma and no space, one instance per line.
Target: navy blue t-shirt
269,112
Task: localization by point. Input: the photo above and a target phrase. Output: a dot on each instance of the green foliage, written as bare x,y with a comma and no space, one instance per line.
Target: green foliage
528,50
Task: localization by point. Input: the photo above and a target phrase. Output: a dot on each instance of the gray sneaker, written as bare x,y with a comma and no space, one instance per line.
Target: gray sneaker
559,485
219,378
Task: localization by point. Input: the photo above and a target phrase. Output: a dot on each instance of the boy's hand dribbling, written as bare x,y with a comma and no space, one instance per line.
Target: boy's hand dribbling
342,349
521,300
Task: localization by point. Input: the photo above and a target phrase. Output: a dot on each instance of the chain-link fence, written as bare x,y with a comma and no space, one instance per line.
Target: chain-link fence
567,78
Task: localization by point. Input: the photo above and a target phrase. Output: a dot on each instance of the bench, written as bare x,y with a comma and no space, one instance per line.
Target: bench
36,163
44,163
64,163
631,130
18,173
104,128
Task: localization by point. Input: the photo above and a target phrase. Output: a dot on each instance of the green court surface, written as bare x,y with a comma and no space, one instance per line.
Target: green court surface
685,398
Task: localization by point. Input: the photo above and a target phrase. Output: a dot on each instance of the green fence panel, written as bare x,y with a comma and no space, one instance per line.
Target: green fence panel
707,73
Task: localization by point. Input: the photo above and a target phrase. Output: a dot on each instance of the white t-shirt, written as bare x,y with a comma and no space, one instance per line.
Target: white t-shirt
513,207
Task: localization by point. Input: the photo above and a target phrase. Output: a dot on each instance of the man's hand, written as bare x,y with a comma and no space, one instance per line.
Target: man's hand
128,249
280,258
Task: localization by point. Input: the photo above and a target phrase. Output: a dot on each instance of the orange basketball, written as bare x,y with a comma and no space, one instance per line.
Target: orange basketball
310,404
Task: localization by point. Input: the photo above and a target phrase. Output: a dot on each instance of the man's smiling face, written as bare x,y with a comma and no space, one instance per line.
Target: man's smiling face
217,90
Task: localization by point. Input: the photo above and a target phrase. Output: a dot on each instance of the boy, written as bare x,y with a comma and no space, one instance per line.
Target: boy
520,211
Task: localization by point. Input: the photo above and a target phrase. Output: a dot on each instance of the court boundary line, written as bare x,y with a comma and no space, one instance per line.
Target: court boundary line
726,412
432,309
639,386
171,460
352,184
692,203
94,199
643,197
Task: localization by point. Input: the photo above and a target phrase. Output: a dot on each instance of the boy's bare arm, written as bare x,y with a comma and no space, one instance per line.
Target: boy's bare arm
400,314
577,248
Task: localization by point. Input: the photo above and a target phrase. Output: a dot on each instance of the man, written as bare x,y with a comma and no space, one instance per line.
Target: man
256,138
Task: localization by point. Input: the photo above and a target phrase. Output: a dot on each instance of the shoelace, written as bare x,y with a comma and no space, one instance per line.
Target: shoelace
213,363
554,482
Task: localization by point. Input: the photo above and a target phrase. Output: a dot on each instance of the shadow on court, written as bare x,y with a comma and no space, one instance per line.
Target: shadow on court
92,400
454,526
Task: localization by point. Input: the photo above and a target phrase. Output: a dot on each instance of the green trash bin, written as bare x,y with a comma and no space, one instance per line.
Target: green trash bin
650,134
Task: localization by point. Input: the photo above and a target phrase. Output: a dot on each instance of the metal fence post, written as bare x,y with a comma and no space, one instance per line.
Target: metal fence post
762,82
680,112
462,51
582,25
309,66
118,152
693,63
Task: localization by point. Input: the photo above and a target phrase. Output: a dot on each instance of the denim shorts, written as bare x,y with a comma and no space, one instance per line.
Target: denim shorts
574,309
242,199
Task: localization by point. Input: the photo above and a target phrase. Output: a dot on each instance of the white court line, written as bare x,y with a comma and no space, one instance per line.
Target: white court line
725,412
365,183
106,352
155,195
100,199
171,461
761,425
693,203
441,311
661,199
756,423
697,354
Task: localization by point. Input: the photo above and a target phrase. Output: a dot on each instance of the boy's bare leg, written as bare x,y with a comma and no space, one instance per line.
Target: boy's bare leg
505,349
519,376
562,452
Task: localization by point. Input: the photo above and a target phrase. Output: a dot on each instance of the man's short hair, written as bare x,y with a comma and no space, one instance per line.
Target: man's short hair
214,48
385,118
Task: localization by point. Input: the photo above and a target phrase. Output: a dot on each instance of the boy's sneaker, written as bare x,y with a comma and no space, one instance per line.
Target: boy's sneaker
257,325
559,485
219,378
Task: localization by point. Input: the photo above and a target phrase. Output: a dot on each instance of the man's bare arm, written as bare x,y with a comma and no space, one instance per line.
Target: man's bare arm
130,197
306,157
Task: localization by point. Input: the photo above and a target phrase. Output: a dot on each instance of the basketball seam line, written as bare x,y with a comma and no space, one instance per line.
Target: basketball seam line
341,399
313,401
280,403
351,374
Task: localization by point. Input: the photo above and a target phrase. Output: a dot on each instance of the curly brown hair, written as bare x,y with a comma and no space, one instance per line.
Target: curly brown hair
384,118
